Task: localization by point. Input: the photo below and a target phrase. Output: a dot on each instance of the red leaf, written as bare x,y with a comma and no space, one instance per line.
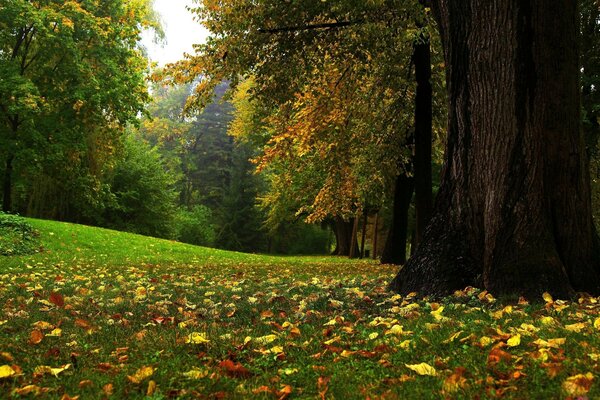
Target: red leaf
234,370
57,299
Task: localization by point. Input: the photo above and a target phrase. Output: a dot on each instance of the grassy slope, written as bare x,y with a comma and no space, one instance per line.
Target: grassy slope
311,326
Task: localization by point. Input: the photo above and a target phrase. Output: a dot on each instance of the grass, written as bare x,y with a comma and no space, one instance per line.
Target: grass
136,317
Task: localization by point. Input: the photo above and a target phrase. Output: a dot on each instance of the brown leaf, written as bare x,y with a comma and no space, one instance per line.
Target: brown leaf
82,323
323,386
35,336
497,355
234,370
57,299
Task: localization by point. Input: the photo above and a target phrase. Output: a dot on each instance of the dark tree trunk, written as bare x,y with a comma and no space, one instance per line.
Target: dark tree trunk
353,239
423,122
394,251
343,237
363,238
7,187
514,210
375,236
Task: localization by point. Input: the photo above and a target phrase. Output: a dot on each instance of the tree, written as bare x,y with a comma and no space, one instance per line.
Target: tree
513,213
71,77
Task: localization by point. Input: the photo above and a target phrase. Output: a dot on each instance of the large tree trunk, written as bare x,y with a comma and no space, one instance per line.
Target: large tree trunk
423,122
7,186
343,237
514,211
394,251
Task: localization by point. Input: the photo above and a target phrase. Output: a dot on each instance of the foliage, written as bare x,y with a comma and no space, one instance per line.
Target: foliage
17,236
195,226
144,200
314,94
71,77
193,322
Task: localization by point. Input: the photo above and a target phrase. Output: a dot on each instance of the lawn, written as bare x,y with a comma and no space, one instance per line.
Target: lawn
104,314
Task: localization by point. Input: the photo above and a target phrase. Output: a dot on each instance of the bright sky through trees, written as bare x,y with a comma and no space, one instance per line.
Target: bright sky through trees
181,31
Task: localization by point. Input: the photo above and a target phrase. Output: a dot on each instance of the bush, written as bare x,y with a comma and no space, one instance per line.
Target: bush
195,226
17,236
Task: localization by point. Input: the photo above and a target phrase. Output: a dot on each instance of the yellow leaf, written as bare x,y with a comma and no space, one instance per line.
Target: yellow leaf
266,339
373,335
405,345
422,369
6,371
394,330
44,369
151,388
346,353
514,341
547,320
276,349
547,297
288,371
453,337
197,338
55,332
247,340
141,374
43,325
196,373
252,300
486,341
597,323
579,384
575,327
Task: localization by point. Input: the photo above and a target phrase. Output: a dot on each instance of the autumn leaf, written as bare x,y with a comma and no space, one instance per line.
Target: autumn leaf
6,371
196,338
234,370
547,297
497,355
46,370
196,373
514,341
35,336
141,374
578,385
422,369
57,299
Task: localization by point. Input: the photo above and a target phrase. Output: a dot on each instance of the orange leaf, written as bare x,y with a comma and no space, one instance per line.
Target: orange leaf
285,391
57,299
36,336
497,355
234,370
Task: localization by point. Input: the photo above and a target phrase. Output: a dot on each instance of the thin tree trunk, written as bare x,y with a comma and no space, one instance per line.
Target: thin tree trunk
423,136
375,236
513,212
353,241
364,234
394,251
7,187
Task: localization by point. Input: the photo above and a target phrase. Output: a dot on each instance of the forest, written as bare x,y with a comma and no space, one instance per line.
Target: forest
384,176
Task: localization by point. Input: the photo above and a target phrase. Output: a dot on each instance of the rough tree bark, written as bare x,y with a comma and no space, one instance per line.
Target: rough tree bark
343,237
513,213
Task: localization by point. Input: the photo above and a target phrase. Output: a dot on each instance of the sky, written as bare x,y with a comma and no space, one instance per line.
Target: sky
180,29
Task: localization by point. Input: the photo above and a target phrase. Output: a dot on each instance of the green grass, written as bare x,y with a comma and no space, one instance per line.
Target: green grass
310,325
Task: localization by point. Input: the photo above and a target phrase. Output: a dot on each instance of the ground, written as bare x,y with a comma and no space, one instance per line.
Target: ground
103,314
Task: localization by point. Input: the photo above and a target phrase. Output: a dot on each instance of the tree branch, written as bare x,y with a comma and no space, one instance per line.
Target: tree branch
298,28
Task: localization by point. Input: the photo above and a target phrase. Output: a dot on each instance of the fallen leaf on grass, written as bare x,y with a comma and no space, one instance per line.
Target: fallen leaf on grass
285,391
196,373
35,336
422,369
455,382
514,341
44,369
579,384
141,374
57,299
196,338
234,370
29,389
6,371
